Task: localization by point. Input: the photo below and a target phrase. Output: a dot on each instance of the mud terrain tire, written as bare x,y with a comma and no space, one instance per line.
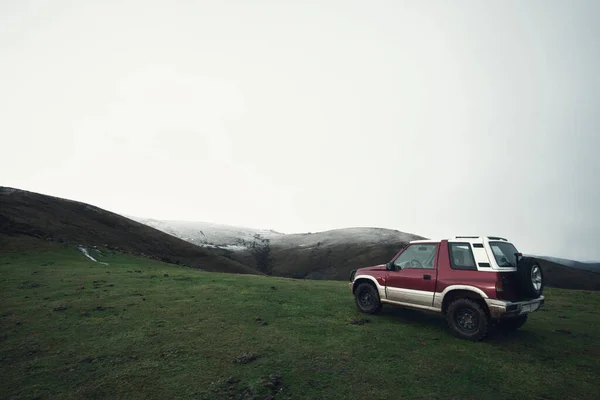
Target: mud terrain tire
367,298
467,319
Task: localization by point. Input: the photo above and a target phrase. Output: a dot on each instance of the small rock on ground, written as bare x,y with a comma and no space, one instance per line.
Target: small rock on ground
565,331
245,358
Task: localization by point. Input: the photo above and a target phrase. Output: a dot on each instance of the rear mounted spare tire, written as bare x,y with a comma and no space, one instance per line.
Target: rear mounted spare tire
530,278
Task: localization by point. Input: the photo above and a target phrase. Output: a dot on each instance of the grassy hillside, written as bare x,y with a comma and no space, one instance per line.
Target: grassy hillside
62,220
138,329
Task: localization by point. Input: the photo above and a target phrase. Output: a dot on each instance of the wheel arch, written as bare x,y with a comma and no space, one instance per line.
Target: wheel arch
464,293
368,279
363,279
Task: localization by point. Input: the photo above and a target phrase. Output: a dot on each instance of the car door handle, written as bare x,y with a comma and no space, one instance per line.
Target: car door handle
427,277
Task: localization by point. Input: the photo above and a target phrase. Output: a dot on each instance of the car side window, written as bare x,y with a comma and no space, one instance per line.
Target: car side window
461,256
417,256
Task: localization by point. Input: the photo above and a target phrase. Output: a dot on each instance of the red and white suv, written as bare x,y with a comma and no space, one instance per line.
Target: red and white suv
476,281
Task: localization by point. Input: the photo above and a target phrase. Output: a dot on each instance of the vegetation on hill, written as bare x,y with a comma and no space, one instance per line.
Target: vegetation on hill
71,328
61,220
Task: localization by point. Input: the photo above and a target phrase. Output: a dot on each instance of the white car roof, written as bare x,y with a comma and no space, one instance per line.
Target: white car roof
464,238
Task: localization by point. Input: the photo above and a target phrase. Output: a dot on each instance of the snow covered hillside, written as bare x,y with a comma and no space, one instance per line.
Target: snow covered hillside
321,255
239,238
207,234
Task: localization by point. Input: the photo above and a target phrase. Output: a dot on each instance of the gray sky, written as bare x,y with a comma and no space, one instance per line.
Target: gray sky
436,118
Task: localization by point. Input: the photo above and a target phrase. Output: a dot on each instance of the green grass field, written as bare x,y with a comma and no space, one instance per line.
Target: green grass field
74,329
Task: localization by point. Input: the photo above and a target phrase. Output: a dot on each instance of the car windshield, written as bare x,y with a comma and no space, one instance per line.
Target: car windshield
505,254
417,256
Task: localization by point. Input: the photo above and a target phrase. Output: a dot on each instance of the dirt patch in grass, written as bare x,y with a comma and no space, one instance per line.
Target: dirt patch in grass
263,388
246,358
29,285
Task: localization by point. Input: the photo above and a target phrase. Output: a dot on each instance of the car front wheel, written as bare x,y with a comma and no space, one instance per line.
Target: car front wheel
367,298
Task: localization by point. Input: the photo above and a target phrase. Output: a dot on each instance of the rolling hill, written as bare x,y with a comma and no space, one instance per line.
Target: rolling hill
66,221
321,255
208,234
588,266
562,276
329,255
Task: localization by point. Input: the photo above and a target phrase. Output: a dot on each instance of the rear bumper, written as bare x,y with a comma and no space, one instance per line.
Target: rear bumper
350,286
507,309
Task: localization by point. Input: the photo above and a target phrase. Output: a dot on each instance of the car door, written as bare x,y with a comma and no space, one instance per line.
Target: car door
413,277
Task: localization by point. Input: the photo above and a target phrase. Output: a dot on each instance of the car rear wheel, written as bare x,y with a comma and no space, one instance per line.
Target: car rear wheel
467,319
367,298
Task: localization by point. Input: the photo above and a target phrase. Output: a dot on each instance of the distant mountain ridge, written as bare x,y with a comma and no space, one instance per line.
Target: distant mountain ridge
207,234
221,248
333,254
321,255
588,266
232,237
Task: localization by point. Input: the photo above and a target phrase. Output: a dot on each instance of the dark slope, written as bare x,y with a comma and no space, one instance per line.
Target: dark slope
327,255
588,266
565,277
67,221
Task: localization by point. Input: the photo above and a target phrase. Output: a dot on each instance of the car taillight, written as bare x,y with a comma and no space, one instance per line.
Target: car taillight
499,288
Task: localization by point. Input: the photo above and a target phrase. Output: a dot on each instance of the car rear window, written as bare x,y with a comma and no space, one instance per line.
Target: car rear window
505,254
461,256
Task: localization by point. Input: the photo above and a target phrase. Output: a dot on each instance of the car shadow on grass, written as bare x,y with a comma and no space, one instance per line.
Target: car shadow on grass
414,317
521,336
438,323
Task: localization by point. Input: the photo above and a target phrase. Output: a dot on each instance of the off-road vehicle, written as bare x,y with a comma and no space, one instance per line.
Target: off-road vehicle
477,282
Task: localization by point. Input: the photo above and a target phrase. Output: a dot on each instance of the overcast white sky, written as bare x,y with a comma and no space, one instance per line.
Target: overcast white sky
431,117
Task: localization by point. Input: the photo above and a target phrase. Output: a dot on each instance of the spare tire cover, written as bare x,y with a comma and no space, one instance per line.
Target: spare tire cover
530,277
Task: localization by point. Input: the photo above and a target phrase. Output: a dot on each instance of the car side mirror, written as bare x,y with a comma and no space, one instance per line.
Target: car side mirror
390,266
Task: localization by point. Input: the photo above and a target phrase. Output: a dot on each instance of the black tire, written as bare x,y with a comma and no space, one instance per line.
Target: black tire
467,319
367,298
530,278
512,324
